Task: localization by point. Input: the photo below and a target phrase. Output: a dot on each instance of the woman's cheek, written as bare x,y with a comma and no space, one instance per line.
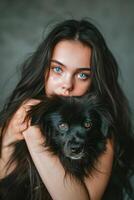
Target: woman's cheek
83,88
55,82
53,85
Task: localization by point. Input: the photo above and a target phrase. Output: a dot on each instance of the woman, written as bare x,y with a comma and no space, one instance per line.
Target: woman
73,60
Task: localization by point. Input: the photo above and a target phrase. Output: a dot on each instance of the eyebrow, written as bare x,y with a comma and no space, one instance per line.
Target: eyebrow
81,68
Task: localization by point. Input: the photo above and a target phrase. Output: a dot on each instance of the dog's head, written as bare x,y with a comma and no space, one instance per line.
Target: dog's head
70,123
75,127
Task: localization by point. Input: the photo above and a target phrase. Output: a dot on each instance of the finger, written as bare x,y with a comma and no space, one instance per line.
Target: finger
27,105
19,122
23,126
20,115
31,102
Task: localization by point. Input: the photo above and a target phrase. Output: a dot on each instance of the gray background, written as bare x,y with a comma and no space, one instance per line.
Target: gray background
22,27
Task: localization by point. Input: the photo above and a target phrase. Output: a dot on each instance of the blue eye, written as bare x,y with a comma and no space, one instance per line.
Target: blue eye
83,76
57,69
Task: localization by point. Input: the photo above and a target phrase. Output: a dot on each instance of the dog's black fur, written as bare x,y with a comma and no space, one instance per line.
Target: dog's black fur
75,129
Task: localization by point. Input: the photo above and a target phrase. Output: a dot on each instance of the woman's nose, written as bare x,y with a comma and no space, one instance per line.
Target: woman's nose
67,83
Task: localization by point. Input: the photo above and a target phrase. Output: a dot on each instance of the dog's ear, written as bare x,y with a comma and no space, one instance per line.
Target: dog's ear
38,112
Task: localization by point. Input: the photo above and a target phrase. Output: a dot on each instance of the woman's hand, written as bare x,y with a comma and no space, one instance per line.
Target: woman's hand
18,124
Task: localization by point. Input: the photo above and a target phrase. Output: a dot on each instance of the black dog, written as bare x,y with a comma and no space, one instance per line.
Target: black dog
75,129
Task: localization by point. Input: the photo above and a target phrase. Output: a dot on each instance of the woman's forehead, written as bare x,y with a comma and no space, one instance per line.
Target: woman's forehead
72,53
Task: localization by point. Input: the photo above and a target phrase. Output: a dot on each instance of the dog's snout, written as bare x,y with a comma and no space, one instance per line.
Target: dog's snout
74,147
76,144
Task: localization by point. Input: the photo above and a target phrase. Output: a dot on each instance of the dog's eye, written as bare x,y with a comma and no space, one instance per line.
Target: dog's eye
63,127
88,124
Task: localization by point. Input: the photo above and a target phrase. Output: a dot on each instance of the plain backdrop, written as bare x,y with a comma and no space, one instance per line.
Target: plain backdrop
24,23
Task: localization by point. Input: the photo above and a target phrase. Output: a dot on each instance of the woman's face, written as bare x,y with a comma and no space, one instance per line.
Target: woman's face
70,69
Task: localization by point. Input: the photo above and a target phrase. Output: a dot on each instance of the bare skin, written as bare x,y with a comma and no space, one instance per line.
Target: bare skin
69,75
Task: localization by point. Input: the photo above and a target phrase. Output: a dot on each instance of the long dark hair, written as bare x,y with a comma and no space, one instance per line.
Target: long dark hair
104,82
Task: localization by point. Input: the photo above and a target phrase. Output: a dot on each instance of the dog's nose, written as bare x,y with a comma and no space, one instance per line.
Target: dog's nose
76,148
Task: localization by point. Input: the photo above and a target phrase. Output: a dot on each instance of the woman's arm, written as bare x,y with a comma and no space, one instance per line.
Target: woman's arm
96,184
51,170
